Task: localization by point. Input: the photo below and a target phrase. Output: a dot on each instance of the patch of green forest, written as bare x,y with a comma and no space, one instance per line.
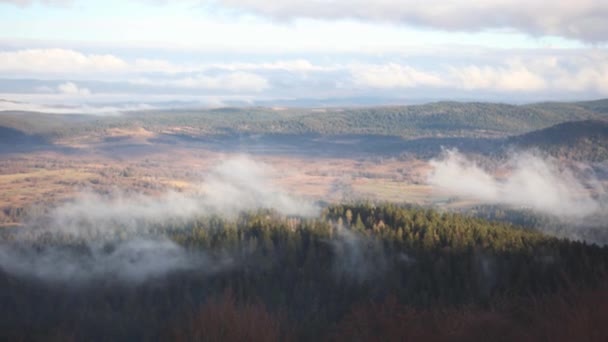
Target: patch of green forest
271,277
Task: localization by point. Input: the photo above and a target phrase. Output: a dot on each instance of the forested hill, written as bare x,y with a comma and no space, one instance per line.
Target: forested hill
580,140
312,272
441,119
600,106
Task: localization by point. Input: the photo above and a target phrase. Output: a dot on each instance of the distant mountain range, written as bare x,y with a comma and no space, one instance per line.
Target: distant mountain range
577,130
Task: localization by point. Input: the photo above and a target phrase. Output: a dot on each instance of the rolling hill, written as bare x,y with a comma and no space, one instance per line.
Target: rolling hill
440,119
578,140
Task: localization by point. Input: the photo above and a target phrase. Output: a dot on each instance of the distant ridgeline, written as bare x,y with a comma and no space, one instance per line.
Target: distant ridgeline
419,129
580,140
312,271
441,119
592,229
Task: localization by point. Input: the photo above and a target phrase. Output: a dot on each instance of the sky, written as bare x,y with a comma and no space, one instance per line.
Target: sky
140,53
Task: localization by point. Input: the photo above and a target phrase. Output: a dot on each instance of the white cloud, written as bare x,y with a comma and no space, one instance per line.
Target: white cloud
23,3
582,73
294,65
584,20
549,71
54,61
393,75
158,65
57,61
70,88
513,77
234,82
590,74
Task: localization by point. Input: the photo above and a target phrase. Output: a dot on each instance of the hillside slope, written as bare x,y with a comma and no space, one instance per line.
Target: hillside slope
441,119
578,140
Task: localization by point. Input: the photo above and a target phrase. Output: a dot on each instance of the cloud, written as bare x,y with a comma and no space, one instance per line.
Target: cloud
393,75
539,74
234,82
158,65
70,88
293,65
586,73
530,182
24,3
583,73
56,61
513,77
65,62
164,66
580,73
581,20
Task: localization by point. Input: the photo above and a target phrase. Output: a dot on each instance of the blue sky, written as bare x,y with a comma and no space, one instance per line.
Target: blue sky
218,52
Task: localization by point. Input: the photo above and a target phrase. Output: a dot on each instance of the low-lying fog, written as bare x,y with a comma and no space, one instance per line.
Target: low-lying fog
529,181
233,186
140,252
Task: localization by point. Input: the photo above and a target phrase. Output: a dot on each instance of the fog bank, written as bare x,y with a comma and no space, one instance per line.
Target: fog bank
526,180
122,236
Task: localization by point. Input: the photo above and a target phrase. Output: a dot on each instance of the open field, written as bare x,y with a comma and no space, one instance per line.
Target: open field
45,177
134,159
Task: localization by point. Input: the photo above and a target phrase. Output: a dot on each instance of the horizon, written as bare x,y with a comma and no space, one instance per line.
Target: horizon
77,52
118,108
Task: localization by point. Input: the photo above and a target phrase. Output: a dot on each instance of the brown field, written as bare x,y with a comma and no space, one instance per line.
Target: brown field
129,161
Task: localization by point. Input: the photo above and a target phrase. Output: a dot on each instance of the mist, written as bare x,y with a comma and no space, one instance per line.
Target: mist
240,184
525,180
75,108
358,257
132,261
121,237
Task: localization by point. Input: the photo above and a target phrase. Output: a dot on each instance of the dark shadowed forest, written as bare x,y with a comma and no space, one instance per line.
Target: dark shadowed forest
356,272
